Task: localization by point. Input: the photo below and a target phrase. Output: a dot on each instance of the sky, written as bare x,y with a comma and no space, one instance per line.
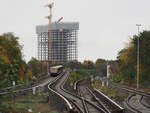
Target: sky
105,25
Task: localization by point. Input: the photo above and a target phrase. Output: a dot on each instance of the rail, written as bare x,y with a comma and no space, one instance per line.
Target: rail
21,90
132,90
128,104
119,109
106,104
66,101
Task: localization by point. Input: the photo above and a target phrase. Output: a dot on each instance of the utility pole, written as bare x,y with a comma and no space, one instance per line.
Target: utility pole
50,35
138,59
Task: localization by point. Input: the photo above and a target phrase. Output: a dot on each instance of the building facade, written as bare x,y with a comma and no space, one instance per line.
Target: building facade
64,46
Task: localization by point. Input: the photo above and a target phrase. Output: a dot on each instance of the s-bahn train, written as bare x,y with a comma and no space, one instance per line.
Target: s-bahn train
56,70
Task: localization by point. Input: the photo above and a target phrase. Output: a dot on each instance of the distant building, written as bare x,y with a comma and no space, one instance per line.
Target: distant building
64,42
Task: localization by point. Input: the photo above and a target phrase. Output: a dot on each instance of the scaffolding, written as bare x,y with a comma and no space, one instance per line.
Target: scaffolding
64,42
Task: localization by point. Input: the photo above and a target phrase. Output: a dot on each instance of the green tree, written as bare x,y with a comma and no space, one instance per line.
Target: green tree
127,61
127,57
73,65
34,65
100,66
88,64
12,65
10,43
144,40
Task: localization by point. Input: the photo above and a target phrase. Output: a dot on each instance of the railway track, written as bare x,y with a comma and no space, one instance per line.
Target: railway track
97,97
131,90
19,86
135,103
86,104
57,88
52,88
82,103
24,88
84,92
77,103
142,101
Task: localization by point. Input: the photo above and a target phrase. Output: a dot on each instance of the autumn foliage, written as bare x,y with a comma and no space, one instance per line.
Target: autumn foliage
127,58
12,65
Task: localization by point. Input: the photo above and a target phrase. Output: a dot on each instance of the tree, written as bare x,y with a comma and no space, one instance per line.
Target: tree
144,40
127,57
10,43
73,65
12,65
100,66
10,57
114,66
34,65
127,61
88,64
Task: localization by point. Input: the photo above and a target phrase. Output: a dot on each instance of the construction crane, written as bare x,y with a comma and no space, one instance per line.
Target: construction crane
50,32
59,20
50,6
56,23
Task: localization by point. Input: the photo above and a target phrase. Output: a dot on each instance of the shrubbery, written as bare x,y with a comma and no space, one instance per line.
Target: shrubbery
116,78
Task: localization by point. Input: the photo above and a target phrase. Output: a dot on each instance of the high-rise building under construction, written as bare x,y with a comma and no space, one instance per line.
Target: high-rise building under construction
63,45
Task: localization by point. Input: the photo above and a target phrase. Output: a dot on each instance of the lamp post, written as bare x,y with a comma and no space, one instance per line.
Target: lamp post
138,47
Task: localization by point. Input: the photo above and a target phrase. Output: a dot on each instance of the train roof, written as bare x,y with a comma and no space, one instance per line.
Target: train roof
55,67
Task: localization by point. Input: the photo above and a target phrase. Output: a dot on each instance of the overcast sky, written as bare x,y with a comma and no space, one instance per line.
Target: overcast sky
105,25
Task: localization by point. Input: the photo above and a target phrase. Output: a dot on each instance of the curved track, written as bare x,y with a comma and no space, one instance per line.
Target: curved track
142,101
97,98
135,101
79,104
41,77
131,90
84,92
23,88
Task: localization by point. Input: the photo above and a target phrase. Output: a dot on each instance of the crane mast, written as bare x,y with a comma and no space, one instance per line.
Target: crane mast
50,32
50,46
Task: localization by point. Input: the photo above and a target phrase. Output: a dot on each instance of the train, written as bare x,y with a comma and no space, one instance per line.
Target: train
56,70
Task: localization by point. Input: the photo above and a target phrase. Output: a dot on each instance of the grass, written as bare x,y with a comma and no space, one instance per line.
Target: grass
144,86
23,107
21,104
111,92
54,112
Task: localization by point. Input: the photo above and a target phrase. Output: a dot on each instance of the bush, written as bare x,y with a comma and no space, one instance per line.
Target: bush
116,78
73,77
